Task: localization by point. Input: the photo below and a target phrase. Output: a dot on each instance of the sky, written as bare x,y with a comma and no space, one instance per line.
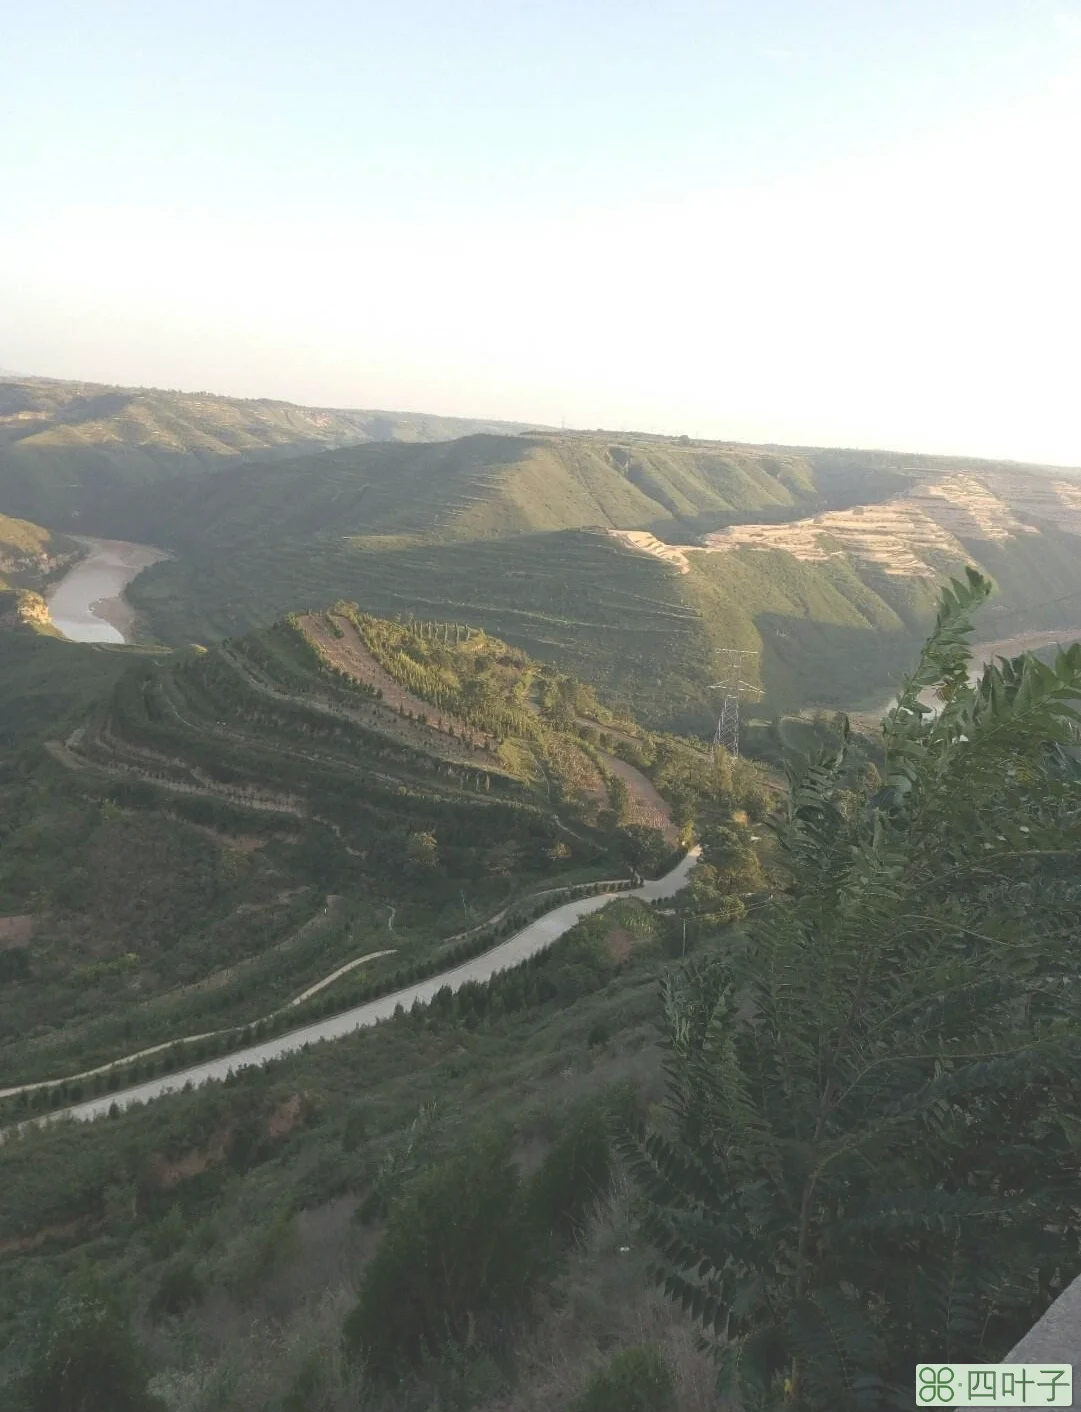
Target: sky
814,222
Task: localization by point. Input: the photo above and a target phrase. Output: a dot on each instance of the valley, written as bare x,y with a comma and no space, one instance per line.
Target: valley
371,820
354,755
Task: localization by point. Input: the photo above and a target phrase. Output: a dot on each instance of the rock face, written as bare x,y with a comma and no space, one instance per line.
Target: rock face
907,535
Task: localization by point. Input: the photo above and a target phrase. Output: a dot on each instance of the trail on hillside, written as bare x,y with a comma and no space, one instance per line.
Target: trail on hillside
535,937
648,805
351,655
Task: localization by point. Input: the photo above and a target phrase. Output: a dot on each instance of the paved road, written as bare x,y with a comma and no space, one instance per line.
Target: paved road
536,937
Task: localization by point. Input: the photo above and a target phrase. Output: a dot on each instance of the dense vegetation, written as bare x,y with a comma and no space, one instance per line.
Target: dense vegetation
871,1148
859,1135
228,830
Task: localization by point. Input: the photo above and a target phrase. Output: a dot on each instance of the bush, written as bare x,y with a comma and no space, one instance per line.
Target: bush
179,1288
635,1380
575,1173
86,1361
457,1259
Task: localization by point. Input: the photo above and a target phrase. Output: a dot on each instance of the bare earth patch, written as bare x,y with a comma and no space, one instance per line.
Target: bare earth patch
899,536
647,804
620,943
16,931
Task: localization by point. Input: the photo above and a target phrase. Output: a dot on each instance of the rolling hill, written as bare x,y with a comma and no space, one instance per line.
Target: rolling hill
223,828
627,563
625,560
65,447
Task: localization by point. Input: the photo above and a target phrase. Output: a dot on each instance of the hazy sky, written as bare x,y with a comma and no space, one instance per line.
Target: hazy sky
851,222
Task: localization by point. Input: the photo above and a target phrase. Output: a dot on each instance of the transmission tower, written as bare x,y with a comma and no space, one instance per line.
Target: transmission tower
726,736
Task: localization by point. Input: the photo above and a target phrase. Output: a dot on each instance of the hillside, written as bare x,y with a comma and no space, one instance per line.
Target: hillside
30,555
628,561
66,447
261,1235
629,564
226,828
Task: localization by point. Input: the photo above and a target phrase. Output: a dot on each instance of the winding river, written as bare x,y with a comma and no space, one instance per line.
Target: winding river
88,603
537,936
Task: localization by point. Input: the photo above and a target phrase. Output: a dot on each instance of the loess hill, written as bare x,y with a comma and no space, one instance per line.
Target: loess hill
228,827
629,562
68,448
625,560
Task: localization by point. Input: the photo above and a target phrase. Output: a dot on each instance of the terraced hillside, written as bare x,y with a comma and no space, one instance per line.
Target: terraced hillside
625,561
297,813
68,448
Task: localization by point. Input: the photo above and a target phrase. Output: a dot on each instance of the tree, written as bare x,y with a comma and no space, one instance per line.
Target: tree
457,1256
86,1360
643,847
423,850
635,1380
728,851
575,1174
872,1147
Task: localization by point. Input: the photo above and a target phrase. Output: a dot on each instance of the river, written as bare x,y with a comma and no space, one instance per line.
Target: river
531,939
984,653
88,603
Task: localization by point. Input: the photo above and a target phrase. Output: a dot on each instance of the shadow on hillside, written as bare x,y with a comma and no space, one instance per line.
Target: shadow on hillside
805,663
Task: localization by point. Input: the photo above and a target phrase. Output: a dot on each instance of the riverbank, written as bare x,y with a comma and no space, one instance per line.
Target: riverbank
88,603
984,653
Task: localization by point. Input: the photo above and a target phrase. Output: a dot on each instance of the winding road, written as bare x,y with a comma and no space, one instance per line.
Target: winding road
536,937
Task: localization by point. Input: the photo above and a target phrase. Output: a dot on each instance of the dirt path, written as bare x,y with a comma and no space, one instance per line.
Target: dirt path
341,971
648,805
351,655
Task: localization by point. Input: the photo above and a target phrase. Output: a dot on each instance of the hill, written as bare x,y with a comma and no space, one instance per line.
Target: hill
257,1232
225,828
66,445
625,560
628,564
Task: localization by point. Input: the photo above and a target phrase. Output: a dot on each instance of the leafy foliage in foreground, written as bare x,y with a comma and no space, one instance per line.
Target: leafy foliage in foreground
872,1148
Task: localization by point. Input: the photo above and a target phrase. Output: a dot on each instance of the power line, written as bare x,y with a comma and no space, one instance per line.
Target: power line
726,736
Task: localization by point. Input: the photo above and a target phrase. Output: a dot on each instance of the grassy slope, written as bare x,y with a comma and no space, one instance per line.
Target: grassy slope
48,684
473,488
67,448
259,1179
175,856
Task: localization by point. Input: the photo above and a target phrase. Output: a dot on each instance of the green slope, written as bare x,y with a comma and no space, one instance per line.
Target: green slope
67,448
175,842
471,488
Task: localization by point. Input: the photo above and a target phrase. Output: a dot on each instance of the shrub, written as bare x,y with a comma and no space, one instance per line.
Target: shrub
86,1361
456,1258
178,1289
635,1380
576,1171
